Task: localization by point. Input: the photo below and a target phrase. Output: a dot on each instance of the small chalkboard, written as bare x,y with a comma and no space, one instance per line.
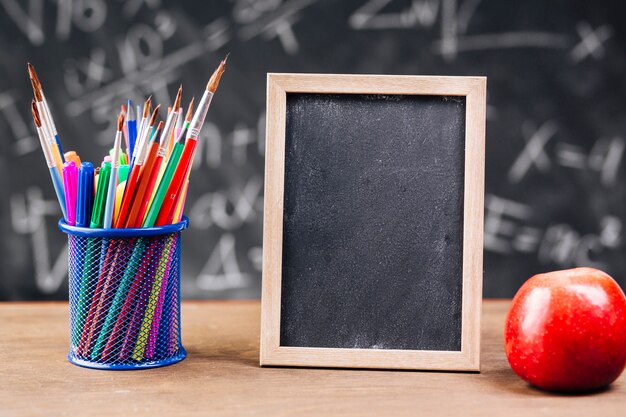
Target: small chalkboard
373,221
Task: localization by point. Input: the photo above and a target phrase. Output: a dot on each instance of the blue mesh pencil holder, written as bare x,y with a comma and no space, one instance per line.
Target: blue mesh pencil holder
125,296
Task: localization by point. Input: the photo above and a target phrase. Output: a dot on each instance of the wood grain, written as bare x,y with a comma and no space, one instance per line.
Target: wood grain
474,89
221,376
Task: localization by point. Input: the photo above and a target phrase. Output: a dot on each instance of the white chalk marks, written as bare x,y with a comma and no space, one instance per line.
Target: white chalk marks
455,18
509,229
29,213
591,41
533,153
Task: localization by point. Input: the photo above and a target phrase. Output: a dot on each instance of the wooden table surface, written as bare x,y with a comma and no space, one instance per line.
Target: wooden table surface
221,376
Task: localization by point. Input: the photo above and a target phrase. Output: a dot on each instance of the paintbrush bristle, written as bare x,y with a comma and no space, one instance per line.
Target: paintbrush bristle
36,91
33,75
216,76
146,107
154,115
36,117
179,96
190,110
120,121
157,132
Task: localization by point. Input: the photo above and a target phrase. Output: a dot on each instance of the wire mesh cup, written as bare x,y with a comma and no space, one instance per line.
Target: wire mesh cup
125,296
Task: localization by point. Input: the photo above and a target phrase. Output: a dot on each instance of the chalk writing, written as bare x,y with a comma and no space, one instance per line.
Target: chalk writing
604,157
25,140
28,216
507,231
221,272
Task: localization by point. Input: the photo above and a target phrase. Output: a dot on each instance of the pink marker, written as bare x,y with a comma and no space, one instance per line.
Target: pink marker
70,183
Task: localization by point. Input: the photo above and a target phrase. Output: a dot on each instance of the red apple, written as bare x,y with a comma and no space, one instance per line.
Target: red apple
566,330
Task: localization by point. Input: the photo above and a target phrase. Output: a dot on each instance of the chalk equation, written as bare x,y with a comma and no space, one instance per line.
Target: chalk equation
454,19
508,230
603,158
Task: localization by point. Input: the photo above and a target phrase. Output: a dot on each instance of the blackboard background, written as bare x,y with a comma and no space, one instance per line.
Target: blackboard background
555,81
373,222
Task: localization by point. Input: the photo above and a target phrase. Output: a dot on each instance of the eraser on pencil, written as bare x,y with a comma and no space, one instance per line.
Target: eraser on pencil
107,158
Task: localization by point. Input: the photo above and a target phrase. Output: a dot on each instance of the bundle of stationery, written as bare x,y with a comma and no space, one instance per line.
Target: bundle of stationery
121,217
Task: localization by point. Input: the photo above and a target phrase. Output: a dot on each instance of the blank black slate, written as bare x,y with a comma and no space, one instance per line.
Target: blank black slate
373,222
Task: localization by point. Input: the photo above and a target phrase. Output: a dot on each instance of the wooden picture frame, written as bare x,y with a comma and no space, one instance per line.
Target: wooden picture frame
474,91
